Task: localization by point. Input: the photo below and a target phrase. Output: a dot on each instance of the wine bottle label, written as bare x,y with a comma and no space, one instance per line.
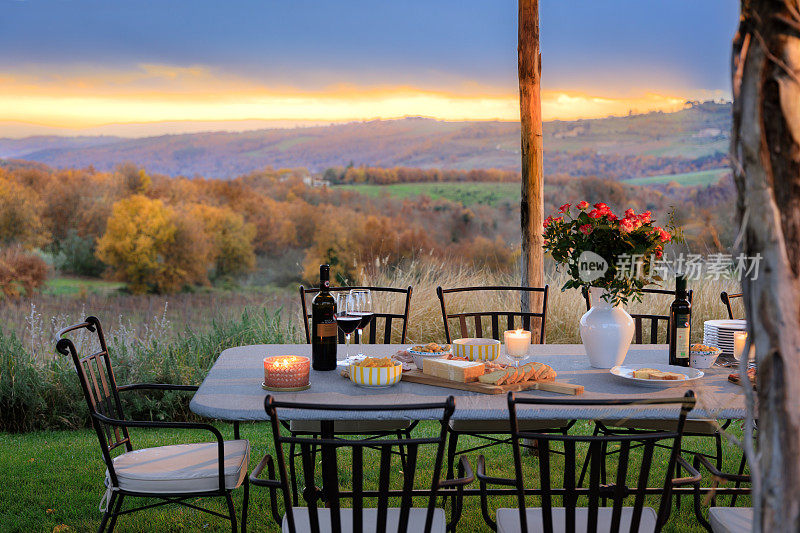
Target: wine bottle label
682,336
326,330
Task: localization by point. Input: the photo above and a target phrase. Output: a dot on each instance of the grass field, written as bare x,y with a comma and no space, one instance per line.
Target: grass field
67,286
703,177
53,481
493,194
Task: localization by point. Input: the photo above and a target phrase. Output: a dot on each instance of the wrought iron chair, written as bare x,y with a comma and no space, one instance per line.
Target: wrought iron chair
173,474
357,517
724,519
534,321
376,429
389,319
631,479
726,300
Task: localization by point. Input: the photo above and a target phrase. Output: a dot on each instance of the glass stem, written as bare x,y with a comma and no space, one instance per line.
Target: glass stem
347,346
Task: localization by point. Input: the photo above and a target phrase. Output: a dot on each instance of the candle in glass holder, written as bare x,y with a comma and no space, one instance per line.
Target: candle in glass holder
739,341
517,342
286,372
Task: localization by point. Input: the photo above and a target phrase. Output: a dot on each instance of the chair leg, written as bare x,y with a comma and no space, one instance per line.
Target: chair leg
585,466
452,445
293,473
741,472
115,514
245,503
108,512
231,511
402,449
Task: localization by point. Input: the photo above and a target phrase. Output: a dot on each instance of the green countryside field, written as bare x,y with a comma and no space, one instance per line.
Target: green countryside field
703,177
495,194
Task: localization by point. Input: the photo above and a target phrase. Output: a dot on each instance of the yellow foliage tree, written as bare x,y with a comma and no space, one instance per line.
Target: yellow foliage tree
20,216
231,239
154,248
331,245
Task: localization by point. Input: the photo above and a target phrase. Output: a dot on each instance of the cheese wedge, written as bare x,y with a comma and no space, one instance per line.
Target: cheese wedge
463,371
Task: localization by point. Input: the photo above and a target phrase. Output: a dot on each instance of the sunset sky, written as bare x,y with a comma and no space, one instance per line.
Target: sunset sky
79,66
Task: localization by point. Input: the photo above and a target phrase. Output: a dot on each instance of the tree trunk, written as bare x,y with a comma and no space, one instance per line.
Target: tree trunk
765,155
530,107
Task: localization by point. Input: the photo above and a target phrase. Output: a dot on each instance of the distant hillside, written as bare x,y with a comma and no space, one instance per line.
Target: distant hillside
698,132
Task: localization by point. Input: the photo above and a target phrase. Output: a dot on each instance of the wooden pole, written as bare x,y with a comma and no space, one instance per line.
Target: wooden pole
530,108
765,156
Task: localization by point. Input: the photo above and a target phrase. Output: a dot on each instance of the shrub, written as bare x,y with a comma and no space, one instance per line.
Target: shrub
21,272
76,255
20,220
36,394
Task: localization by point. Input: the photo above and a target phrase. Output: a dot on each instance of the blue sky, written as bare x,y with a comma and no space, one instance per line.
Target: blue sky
338,52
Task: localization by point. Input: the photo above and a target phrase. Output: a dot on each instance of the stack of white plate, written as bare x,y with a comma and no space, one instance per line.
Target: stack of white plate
719,333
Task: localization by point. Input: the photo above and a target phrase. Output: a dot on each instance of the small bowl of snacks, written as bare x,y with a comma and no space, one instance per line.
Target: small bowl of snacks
703,356
477,349
376,372
429,351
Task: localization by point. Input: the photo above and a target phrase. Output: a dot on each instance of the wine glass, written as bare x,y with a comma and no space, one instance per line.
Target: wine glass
363,310
345,319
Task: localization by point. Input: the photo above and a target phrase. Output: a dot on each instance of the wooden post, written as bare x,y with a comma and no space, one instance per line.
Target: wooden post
530,108
765,156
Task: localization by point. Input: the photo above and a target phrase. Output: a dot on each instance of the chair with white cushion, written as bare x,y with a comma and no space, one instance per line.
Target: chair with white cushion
724,519
370,474
585,509
172,474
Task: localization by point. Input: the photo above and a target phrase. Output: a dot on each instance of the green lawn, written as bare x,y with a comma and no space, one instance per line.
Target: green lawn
468,193
703,177
52,481
67,286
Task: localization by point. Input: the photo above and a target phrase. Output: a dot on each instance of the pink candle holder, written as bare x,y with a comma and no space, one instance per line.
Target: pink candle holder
286,373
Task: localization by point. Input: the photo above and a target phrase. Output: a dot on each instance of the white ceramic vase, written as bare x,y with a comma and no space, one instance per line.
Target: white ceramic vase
606,331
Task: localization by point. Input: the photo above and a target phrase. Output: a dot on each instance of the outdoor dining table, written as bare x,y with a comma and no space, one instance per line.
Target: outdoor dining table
232,390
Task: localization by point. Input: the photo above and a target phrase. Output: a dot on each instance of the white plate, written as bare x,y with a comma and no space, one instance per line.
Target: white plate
625,373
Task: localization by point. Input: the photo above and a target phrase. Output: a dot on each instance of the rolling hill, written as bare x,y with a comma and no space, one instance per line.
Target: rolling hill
697,133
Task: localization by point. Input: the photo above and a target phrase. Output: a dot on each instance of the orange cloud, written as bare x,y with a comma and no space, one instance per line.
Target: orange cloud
154,93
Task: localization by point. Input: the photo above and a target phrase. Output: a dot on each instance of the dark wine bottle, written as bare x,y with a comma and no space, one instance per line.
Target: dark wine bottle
323,324
680,323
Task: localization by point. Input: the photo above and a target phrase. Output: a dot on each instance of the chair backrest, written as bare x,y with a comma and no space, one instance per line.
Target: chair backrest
528,322
654,321
99,385
726,299
389,319
631,479
330,452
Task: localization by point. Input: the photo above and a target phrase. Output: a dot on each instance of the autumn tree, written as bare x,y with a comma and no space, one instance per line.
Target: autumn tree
153,247
20,216
231,239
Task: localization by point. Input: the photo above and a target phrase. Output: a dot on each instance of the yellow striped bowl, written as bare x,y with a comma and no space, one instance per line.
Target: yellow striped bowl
376,376
477,349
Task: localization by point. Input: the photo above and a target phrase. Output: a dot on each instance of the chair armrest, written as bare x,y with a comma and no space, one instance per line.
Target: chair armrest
156,386
488,480
271,483
174,425
466,478
693,478
700,460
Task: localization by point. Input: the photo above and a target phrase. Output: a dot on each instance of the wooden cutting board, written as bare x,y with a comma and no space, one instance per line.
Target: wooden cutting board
416,376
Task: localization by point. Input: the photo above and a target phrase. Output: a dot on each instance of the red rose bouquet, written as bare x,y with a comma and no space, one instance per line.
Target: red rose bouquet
598,249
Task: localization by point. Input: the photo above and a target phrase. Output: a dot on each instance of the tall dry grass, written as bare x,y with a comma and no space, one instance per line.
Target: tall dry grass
564,308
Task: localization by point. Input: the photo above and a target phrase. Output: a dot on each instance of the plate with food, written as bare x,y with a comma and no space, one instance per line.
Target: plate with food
375,372
655,375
